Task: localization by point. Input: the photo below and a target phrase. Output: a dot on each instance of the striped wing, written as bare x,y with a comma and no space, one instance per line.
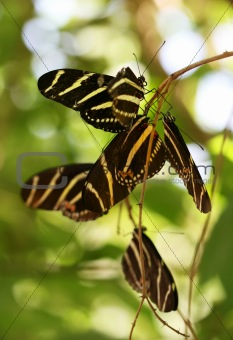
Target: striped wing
131,166
121,166
88,93
59,188
160,284
82,91
181,160
102,191
126,91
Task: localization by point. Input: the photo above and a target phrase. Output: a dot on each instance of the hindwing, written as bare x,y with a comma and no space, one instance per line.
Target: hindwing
59,188
130,168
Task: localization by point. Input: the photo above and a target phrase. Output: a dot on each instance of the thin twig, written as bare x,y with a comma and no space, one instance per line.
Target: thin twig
188,324
164,87
129,208
163,321
160,96
201,242
156,315
119,218
135,319
196,260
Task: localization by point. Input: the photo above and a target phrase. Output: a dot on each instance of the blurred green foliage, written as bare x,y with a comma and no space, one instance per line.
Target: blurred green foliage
60,279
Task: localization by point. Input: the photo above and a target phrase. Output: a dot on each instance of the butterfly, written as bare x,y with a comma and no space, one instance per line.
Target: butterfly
160,285
106,102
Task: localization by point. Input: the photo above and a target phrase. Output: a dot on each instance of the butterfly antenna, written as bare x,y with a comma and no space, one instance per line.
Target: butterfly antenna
154,57
191,138
137,63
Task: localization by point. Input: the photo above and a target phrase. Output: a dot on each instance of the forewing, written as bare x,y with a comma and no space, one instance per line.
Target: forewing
159,282
82,91
181,160
162,289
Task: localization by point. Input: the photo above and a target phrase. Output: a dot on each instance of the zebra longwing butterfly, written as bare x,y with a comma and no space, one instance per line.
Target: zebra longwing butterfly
181,160
131,164
121,166
160,284
106,102
60,188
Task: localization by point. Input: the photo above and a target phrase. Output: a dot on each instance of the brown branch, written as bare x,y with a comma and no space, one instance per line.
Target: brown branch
201,242
129,208
135,319
163,321
156,315
164,87
160,96
188,324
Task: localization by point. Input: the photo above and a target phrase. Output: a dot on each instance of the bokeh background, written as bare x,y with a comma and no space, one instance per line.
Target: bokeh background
60,279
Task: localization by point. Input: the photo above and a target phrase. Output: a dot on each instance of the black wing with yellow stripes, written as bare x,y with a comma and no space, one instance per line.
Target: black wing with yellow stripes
59,188
106,102
160,284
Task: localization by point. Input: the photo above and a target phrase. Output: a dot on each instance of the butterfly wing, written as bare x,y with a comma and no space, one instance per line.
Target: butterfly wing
131,166
59,188
126,91
82,91
160,284
102,190
181,160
